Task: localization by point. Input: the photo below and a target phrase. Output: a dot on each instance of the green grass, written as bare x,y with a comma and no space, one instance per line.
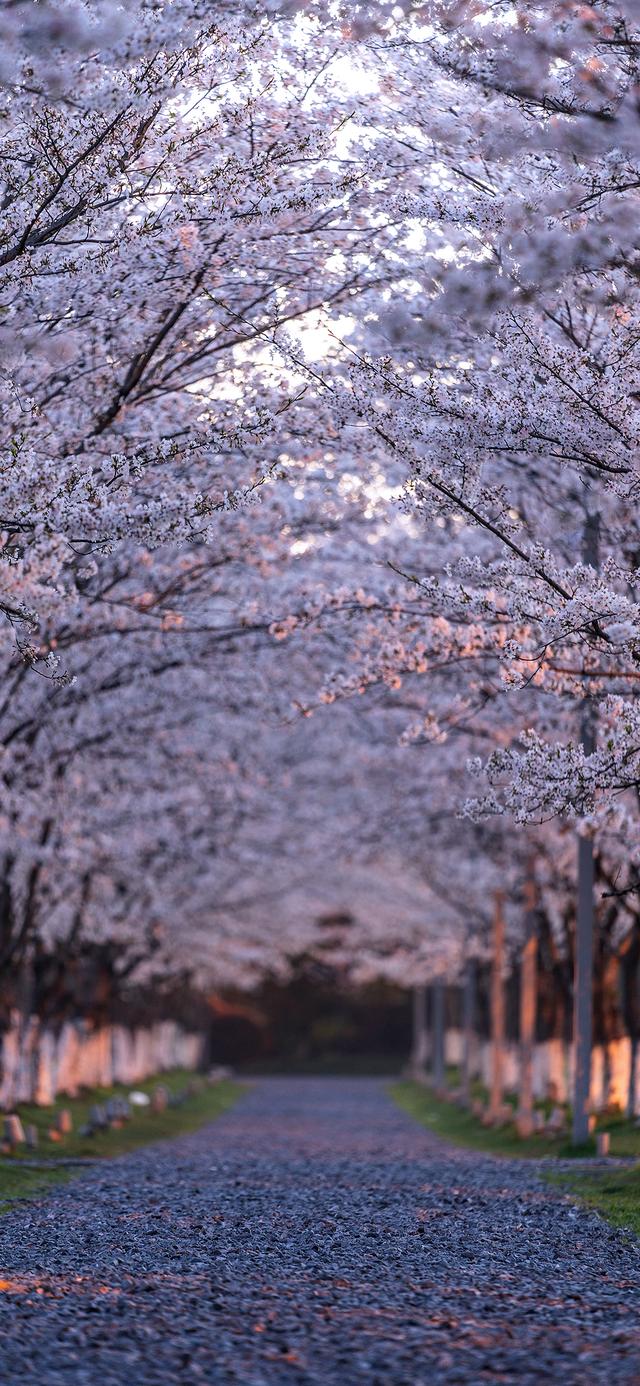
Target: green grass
459,1126
18,1181
624,1135
613,1192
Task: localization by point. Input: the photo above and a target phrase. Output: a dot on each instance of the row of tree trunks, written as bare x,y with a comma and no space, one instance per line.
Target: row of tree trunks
607,985
38,1063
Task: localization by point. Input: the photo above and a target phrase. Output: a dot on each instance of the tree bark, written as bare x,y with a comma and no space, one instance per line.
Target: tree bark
438,1066
633,1077
583,967
528,990
420,1038
468,1022
498,1014
582,994
630,965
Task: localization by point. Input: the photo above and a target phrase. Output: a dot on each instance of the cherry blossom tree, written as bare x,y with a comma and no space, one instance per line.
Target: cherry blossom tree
313,395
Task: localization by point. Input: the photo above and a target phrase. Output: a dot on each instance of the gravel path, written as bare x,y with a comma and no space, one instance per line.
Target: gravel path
314,1234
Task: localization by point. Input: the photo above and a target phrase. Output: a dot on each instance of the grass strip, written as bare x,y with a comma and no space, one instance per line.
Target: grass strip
457,1125
615,1193
460,1127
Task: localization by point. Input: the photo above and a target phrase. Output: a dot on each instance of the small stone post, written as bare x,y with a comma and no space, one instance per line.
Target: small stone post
160,1099
64,1122
13,1131
31,1137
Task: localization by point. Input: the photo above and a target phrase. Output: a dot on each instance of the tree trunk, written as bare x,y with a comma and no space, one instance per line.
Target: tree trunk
612,1028
583,994
528,990
438,1067
633,1077
583,971
420,1038
27,1035
468,1021
630,965
498,1015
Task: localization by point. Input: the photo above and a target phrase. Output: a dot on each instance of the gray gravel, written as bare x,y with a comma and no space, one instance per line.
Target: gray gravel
314,1234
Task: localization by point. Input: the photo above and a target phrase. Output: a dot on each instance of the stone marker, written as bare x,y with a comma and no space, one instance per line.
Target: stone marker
115,1112
139,1099
64,1122
160,1098
13,1131
31,1137
219,1073
502,1116
557,1122
602,1143
98,1117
